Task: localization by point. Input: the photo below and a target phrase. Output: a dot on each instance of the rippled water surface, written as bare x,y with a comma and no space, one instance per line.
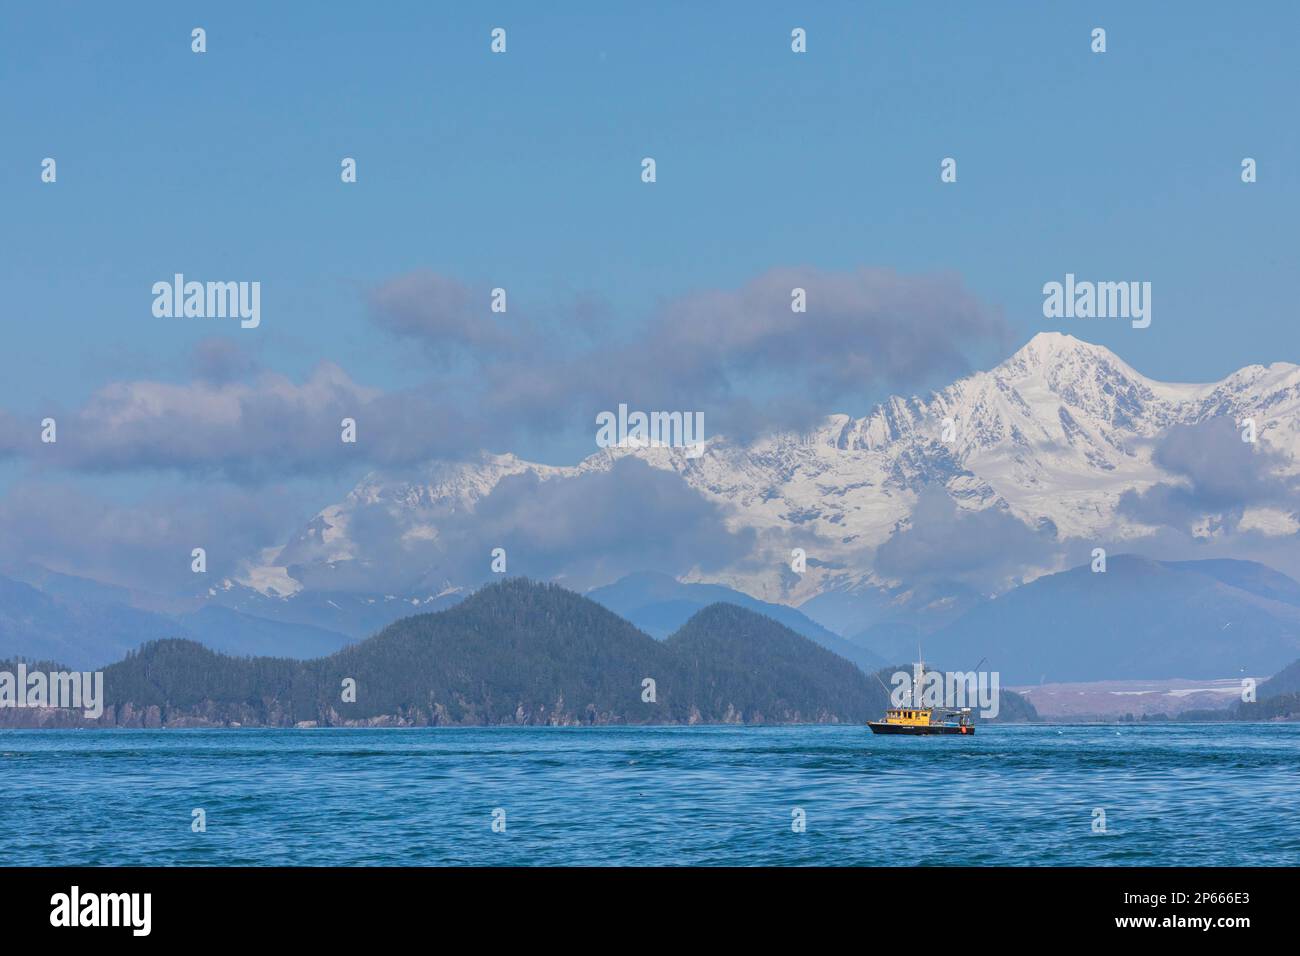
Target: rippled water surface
1173,794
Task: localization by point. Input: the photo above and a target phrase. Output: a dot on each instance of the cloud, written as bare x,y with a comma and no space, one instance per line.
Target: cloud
985,549
144,544
229,423
583,531
13,441
1218,476
448,318
863,327
220,361
740,355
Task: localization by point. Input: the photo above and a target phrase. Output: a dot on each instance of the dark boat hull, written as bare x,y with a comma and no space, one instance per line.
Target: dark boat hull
919,730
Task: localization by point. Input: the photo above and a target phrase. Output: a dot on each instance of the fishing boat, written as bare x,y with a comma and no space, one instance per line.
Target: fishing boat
918,720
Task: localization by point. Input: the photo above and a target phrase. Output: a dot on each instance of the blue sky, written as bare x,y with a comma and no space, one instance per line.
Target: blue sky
522,171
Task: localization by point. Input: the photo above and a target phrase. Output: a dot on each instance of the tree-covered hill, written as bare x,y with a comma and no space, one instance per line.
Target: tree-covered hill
747,668
517,652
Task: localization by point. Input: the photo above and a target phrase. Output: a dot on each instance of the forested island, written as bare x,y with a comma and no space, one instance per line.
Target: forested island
517,652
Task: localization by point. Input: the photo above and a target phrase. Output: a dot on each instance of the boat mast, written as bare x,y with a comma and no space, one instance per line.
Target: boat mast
918,678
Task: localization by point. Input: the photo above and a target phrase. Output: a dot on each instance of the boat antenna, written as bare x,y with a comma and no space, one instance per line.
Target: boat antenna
918,674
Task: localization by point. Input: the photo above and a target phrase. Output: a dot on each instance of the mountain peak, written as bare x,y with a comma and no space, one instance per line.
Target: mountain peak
1054,438
1054,348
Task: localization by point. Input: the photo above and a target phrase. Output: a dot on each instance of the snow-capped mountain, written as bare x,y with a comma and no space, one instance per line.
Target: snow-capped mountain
1052,437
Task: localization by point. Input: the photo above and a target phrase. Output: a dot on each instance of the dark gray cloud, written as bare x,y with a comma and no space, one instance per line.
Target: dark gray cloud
581,531
221,360
144,544
984,549
449,318
741,356
249,427
1220,476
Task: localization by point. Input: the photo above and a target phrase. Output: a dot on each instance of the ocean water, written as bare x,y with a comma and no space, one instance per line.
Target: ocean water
1226,794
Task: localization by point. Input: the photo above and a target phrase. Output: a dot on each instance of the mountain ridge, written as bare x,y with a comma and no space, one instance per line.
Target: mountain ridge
1052,438
1138,619
516,652
659,604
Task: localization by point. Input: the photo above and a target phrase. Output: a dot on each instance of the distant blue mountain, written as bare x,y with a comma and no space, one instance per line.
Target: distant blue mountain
862,613
1257,579
231,632
1141,619
68,586
84,624
76,632
355,615
660,604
